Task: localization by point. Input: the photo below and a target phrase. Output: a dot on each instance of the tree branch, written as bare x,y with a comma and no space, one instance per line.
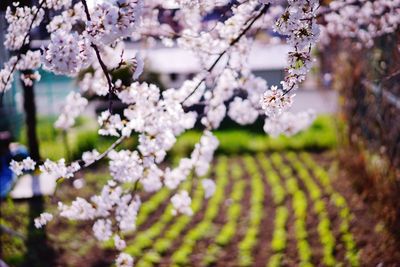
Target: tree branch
249,23
101,62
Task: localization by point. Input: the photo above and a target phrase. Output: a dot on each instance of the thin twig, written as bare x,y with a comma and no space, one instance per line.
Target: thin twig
101,62
102,155
250,23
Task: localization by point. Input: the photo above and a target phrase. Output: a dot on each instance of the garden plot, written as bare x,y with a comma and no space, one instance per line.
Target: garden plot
279,209
268,210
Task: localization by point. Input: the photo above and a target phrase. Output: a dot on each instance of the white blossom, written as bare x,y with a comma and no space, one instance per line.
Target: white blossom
74,106
203,153
80,209
25,165
92,45
59,169
275,102
102,229
209,187
181,203
16,167
124,260
288,123
242,111
126,212
90,156
151,180
119,243
172,178
125,165
43,219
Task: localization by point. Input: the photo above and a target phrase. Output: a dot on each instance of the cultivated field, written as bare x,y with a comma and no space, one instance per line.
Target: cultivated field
279,209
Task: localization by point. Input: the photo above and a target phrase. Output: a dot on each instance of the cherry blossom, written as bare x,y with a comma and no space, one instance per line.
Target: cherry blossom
209,187
25,165
102,229
74,106
43,219
124,260
181,203
242,111
119,243
90,41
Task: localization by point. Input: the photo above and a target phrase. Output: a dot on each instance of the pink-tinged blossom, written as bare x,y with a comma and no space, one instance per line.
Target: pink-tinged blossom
209,187
181,203
111,21
125,166
102,229
73,107
19,22
275,102
43,219
25,165
242,112
124,260
119,243
67,53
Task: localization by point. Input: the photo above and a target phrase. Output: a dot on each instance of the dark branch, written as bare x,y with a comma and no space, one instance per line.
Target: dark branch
249,23
101,62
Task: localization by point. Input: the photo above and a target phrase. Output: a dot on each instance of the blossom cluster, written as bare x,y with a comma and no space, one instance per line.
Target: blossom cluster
67,53
26,165
20,22
111,21
75,104
43,219
28,61
361,20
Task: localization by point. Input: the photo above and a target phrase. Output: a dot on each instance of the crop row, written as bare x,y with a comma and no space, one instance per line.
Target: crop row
340,203
144,239
228,230
278,191
324,227
247,244
182,255
286,177
299,206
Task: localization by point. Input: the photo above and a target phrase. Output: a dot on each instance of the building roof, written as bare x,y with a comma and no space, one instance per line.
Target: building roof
177,60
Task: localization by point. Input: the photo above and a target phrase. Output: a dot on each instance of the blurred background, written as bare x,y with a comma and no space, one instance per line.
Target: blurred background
355,139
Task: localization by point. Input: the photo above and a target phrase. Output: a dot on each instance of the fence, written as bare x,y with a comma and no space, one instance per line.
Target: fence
370,84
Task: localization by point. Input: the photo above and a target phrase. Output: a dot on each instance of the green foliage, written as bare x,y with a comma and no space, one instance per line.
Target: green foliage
352,255
199,231
250,239
321,135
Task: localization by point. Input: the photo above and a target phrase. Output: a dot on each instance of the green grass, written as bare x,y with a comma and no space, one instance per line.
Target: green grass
320,136
233,140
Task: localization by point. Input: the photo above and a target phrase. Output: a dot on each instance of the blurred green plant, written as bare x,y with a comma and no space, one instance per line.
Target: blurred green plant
320,136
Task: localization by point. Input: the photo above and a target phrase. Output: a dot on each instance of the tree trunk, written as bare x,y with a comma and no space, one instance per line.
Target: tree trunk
30,119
